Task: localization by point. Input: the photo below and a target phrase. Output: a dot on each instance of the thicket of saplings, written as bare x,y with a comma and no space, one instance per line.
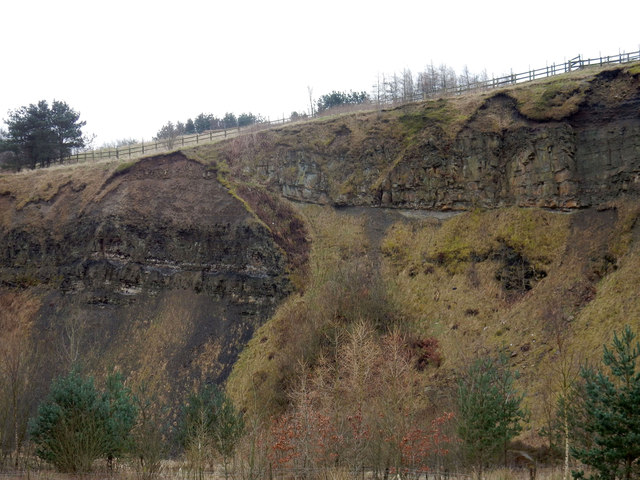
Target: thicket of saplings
349,424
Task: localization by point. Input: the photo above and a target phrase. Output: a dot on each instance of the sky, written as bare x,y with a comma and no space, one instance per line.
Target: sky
128,67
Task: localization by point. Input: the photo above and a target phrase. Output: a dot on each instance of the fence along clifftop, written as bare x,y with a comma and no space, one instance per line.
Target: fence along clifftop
134,151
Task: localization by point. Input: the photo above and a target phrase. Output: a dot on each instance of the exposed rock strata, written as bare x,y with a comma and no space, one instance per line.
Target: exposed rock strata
167,223
498,157
161,250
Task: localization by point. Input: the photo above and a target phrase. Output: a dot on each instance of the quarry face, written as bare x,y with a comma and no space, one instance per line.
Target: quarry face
159,269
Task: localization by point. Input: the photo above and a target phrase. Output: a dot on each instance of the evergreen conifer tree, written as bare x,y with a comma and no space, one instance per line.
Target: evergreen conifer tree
41,134
489,410
77,425
612,412
189,127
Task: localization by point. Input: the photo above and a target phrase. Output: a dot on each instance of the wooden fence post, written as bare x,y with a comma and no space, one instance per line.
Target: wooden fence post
549,70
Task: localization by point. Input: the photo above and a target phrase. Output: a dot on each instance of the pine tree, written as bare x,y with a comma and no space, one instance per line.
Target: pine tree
246,119
189,127
121,416
69,430
489,410
42,134
612,408
211,420
77,425
229,120
203,122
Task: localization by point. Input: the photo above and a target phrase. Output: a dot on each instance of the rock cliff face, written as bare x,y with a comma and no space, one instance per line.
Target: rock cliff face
163,270
582,150
166,223
159,252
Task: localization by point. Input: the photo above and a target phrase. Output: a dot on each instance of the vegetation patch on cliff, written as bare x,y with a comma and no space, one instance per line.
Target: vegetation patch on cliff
286,225
166,268
552,99
343,288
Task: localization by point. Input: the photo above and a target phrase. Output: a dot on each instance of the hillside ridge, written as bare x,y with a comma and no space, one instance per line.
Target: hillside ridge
501,221
563,143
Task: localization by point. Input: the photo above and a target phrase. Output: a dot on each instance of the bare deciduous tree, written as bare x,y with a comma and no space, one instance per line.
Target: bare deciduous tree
71,341
407,86
311,102
18,363
15,372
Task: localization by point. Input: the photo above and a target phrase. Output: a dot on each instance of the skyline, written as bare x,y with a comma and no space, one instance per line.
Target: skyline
128,68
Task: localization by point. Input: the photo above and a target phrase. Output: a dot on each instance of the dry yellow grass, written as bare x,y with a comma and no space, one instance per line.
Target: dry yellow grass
441,280
258,381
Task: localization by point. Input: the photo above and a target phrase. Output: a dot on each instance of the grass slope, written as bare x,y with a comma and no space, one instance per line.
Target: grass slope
464,282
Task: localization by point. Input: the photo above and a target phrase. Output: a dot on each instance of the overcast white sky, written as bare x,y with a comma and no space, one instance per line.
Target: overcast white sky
130,66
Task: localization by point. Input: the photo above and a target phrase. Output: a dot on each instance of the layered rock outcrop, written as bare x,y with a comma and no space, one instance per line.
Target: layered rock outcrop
164,271
165,223
581,148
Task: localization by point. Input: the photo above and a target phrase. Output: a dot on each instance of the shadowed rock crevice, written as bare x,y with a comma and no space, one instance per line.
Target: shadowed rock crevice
516,274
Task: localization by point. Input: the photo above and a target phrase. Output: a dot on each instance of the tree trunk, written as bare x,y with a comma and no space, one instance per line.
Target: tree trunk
565,422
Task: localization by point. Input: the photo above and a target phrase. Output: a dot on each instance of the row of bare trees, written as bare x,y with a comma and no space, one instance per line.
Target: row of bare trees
363,403
361,409
406,86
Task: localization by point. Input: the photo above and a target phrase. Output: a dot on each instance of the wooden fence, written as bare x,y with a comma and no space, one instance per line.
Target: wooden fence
128,152
134,151
575,63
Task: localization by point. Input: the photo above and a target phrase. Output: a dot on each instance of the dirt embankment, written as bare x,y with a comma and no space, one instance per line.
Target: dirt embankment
156,268
165,267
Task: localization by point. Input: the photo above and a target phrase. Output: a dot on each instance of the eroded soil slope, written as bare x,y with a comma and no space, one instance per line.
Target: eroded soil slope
154,268
164,268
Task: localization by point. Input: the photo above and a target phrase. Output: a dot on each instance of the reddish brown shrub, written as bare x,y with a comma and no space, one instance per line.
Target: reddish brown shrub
426,352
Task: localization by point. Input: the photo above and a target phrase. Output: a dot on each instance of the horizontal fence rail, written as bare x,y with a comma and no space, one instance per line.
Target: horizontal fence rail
164,144
571,65
129,152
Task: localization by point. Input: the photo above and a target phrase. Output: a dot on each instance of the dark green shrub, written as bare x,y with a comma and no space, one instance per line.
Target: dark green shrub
77,425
